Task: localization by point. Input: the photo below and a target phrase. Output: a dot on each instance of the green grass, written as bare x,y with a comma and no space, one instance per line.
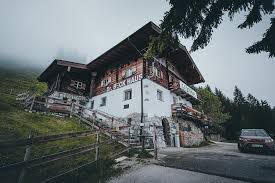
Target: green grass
14,81
17,123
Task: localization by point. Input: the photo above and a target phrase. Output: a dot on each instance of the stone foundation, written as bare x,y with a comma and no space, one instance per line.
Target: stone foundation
190,134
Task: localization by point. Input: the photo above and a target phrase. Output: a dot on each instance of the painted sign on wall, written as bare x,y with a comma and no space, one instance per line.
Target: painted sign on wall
125,82
188,90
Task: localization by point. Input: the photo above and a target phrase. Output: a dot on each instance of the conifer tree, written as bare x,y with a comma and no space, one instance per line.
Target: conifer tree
198,18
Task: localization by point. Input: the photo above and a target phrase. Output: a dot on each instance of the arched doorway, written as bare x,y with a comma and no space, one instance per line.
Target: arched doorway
166,131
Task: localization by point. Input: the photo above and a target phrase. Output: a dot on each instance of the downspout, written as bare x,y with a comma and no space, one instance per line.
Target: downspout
141,90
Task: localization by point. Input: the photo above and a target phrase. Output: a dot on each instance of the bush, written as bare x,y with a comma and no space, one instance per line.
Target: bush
144,154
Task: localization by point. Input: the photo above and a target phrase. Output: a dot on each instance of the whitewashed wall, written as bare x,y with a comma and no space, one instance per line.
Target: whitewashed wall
115,101
155,107
152,106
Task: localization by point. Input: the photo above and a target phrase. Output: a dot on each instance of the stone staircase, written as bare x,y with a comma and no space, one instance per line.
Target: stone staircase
109,124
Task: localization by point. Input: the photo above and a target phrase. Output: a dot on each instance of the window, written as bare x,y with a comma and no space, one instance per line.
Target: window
92,104
103,101
128,94
159,95
105,81
158,73
129,72
126,106
78,84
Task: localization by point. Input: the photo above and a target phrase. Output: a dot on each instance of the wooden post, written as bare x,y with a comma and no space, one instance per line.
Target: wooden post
155,143
72,109
97,149
46,104
27,157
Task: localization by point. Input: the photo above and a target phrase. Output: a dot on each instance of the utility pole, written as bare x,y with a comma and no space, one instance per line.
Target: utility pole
142,137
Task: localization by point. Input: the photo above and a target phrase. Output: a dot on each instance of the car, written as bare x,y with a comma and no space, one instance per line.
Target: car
255,140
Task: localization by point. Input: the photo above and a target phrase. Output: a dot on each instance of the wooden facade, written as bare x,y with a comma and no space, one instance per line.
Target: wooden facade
115,74
121,65
68,77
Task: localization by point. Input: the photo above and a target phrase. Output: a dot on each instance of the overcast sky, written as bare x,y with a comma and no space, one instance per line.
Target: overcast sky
34,32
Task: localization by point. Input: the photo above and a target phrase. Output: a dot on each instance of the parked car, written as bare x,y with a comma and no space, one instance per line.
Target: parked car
255,140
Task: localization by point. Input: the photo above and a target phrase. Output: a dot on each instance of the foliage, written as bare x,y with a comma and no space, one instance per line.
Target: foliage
202,144
39,87
246,112
161,46
144,154
198,18
211,106
232,115
17,123
15,81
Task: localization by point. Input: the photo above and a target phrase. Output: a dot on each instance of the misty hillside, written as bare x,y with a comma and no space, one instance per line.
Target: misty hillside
14,80
17,123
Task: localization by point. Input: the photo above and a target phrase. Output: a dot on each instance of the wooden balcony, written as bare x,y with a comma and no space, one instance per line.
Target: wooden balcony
183,111
185,91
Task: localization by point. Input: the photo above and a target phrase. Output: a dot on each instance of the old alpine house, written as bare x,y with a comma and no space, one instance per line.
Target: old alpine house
137,92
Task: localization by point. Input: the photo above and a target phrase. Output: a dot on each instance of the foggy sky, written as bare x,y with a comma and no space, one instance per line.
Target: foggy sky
35,32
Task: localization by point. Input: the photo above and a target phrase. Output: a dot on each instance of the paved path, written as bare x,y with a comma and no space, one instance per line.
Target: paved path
160,174
221,159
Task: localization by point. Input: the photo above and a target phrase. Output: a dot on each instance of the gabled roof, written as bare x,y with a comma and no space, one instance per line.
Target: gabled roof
136,44
132,46
129,46
59,65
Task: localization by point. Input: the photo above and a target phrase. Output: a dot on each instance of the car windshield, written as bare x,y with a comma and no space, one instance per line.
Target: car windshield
254,132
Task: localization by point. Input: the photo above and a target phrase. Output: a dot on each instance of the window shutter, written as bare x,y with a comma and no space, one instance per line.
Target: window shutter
161,74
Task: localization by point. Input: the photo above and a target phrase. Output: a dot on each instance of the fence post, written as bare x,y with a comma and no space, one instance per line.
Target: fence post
72,109
97,148
46,103
155,143
27,157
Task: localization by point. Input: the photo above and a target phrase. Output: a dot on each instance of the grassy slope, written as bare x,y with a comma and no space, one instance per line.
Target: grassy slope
17,123
14,121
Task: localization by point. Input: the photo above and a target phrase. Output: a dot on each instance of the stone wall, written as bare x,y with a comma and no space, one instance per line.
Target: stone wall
148,128
190,134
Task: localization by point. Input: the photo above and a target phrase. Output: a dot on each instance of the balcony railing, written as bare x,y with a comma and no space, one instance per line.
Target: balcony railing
185,91
181,110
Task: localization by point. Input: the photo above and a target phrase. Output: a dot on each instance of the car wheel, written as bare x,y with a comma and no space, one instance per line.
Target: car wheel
241,149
